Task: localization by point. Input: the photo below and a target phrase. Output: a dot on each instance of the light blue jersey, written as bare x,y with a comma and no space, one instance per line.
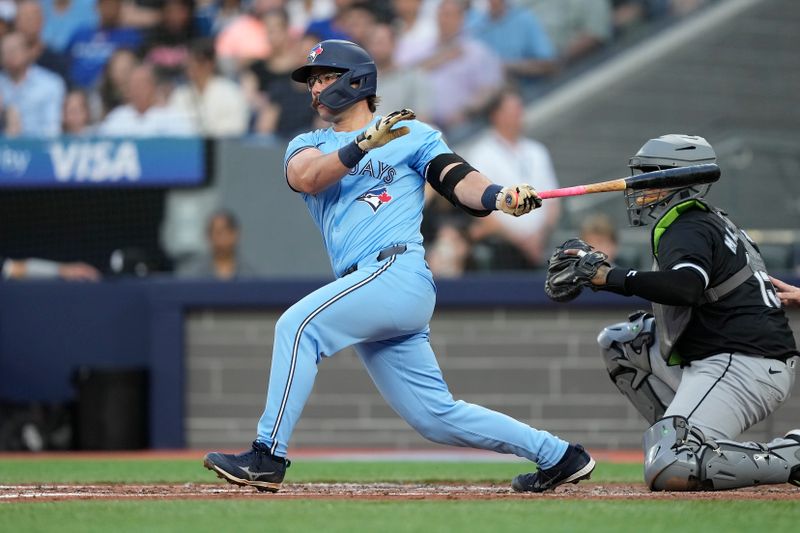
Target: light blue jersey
379,203
380,304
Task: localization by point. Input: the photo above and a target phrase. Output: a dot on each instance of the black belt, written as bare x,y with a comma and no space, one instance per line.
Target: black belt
397,249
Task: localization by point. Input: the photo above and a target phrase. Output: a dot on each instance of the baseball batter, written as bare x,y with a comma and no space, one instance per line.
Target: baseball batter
362,180
716,356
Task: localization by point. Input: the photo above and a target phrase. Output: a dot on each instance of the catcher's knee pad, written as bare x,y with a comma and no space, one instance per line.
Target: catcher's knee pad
678,457
671,448
626,349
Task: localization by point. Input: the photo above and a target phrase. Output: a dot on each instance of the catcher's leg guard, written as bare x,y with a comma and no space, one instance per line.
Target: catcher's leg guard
678,457
670,455
630,350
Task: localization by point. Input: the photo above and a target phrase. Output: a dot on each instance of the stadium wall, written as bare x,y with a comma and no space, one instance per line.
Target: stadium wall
207,346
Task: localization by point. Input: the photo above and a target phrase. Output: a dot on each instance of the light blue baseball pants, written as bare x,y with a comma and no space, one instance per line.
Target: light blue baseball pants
383,310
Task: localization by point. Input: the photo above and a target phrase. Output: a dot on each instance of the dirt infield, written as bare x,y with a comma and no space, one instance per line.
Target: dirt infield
364,491
375,491
324,454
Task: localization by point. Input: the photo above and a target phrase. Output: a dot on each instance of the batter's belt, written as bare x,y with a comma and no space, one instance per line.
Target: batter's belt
397,249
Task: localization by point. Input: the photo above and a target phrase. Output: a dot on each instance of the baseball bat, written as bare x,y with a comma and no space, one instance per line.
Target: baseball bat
659,179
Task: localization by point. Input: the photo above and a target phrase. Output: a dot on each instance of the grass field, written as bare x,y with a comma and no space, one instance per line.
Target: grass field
264,512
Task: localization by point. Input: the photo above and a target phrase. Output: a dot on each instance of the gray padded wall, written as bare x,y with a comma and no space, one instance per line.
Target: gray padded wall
542,367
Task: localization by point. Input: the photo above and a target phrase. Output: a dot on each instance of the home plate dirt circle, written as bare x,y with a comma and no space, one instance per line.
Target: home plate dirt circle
374,491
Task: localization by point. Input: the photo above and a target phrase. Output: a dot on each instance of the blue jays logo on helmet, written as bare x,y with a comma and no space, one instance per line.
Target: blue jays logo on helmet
375,198
312,55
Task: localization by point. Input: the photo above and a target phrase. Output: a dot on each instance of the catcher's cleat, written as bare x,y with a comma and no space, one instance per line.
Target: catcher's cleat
794,477
255,468
575,466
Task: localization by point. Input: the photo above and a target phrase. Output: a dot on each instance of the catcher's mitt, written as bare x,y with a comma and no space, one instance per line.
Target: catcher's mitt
569,272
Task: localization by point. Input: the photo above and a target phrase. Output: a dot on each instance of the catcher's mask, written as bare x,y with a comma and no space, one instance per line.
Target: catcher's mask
668,151
359,79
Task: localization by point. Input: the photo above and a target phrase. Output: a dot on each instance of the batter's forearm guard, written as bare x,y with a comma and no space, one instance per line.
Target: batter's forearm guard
446,185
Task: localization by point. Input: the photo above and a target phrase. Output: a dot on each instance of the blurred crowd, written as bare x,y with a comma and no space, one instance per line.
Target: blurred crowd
220,67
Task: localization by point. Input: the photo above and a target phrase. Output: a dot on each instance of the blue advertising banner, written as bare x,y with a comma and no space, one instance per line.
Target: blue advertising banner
68,162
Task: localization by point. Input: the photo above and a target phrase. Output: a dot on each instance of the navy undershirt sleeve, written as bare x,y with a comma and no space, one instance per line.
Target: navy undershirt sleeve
683,286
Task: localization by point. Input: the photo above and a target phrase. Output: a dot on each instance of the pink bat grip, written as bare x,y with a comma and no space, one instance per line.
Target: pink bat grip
566,191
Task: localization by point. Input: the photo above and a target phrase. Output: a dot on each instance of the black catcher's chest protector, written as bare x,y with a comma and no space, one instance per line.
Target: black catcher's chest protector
672,320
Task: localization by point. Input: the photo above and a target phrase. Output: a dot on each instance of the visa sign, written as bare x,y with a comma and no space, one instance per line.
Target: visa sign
102,162
95,161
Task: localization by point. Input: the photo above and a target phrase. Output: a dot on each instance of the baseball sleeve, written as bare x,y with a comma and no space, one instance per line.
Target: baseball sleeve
430,144
297,145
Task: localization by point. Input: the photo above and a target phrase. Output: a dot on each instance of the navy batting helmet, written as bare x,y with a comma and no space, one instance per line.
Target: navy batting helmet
354,62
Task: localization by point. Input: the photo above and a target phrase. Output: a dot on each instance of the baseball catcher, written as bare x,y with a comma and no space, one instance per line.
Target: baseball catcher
716,356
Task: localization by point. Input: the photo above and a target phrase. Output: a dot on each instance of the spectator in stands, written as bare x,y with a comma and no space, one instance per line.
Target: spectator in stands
8,12
626,14
167,44
91,47
143,115
576,27
417,32
269,87
115,78
62,18
301,14
34,92
631,14
223,261
10,121
285,54
448,254
516,36
464,74
399,87
358,20
77,119
448,249
215,105
141,14
332,27
599,231
213,16
244,40
29,22
505,155
44,269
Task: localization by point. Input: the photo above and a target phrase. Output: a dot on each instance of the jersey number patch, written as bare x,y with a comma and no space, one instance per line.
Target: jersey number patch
767,290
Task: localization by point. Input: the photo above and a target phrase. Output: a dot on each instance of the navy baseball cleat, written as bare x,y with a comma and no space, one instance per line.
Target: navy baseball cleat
575,466
255,467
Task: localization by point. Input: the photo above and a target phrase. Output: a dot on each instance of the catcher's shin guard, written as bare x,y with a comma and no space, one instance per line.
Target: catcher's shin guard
628,351
678,457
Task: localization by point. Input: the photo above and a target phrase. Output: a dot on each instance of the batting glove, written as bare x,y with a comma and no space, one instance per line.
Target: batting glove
518,200
381,132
